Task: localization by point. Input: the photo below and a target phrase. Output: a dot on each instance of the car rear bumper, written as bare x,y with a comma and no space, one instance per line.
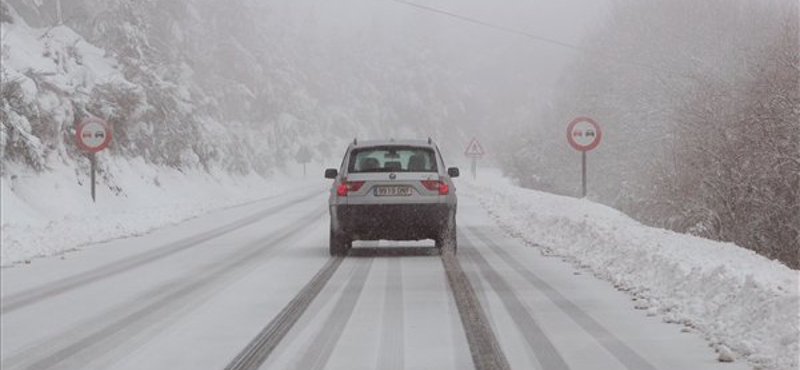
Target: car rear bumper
391,222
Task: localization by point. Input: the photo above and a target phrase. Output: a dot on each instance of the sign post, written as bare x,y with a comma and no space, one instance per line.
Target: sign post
583,134
304,156
583,174
93,160
93,135
474,167
474,151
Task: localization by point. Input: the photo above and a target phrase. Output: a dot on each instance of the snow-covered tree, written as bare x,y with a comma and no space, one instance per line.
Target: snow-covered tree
699,106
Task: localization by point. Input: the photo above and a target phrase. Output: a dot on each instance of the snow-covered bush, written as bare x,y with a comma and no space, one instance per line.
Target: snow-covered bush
17,136
698,103
5,14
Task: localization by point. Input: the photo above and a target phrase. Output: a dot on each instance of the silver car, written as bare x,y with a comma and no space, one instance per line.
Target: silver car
392,190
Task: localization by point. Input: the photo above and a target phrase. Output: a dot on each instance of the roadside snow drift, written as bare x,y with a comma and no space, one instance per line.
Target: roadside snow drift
51,213
734,297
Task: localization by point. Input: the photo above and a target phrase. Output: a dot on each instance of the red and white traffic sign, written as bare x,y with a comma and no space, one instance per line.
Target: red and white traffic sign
584,134
93,135
474,149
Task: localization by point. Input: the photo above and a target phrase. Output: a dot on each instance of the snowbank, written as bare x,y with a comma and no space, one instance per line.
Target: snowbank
51,213
734,297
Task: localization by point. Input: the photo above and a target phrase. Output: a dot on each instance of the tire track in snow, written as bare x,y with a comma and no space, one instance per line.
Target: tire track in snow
320,350
483,345
622,352
94,339
25,298
260,348
544,350
392,344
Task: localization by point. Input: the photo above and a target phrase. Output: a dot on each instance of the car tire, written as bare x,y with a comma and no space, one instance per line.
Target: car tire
339,244
446,241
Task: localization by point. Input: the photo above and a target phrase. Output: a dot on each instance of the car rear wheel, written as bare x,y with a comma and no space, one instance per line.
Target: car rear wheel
446,240
339,244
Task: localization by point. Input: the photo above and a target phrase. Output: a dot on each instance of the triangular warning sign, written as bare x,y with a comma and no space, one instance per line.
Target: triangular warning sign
474,149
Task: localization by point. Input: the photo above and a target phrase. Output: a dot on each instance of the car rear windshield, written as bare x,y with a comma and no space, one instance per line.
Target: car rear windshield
392,159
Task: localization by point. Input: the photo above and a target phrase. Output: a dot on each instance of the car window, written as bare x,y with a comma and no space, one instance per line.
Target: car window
392,159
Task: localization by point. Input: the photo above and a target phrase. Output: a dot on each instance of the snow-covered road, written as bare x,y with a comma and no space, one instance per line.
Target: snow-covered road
254,287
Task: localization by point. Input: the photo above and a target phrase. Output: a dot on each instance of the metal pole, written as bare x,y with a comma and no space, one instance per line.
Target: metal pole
474,167
93,159
58,12
583,174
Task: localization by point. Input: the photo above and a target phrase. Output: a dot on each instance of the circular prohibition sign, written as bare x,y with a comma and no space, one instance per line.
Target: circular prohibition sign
584,134
93,135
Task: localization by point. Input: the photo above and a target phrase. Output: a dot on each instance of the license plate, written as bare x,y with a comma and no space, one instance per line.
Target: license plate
393,191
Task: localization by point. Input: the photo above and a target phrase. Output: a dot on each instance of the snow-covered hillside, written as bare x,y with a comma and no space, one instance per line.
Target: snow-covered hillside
205,113
734,297
700,127
183,86
48,76
43,72
53,76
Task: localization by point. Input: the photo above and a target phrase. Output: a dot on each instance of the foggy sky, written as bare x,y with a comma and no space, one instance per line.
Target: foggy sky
495,62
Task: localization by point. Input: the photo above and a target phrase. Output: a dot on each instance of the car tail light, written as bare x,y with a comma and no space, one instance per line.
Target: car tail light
439,185
348,186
